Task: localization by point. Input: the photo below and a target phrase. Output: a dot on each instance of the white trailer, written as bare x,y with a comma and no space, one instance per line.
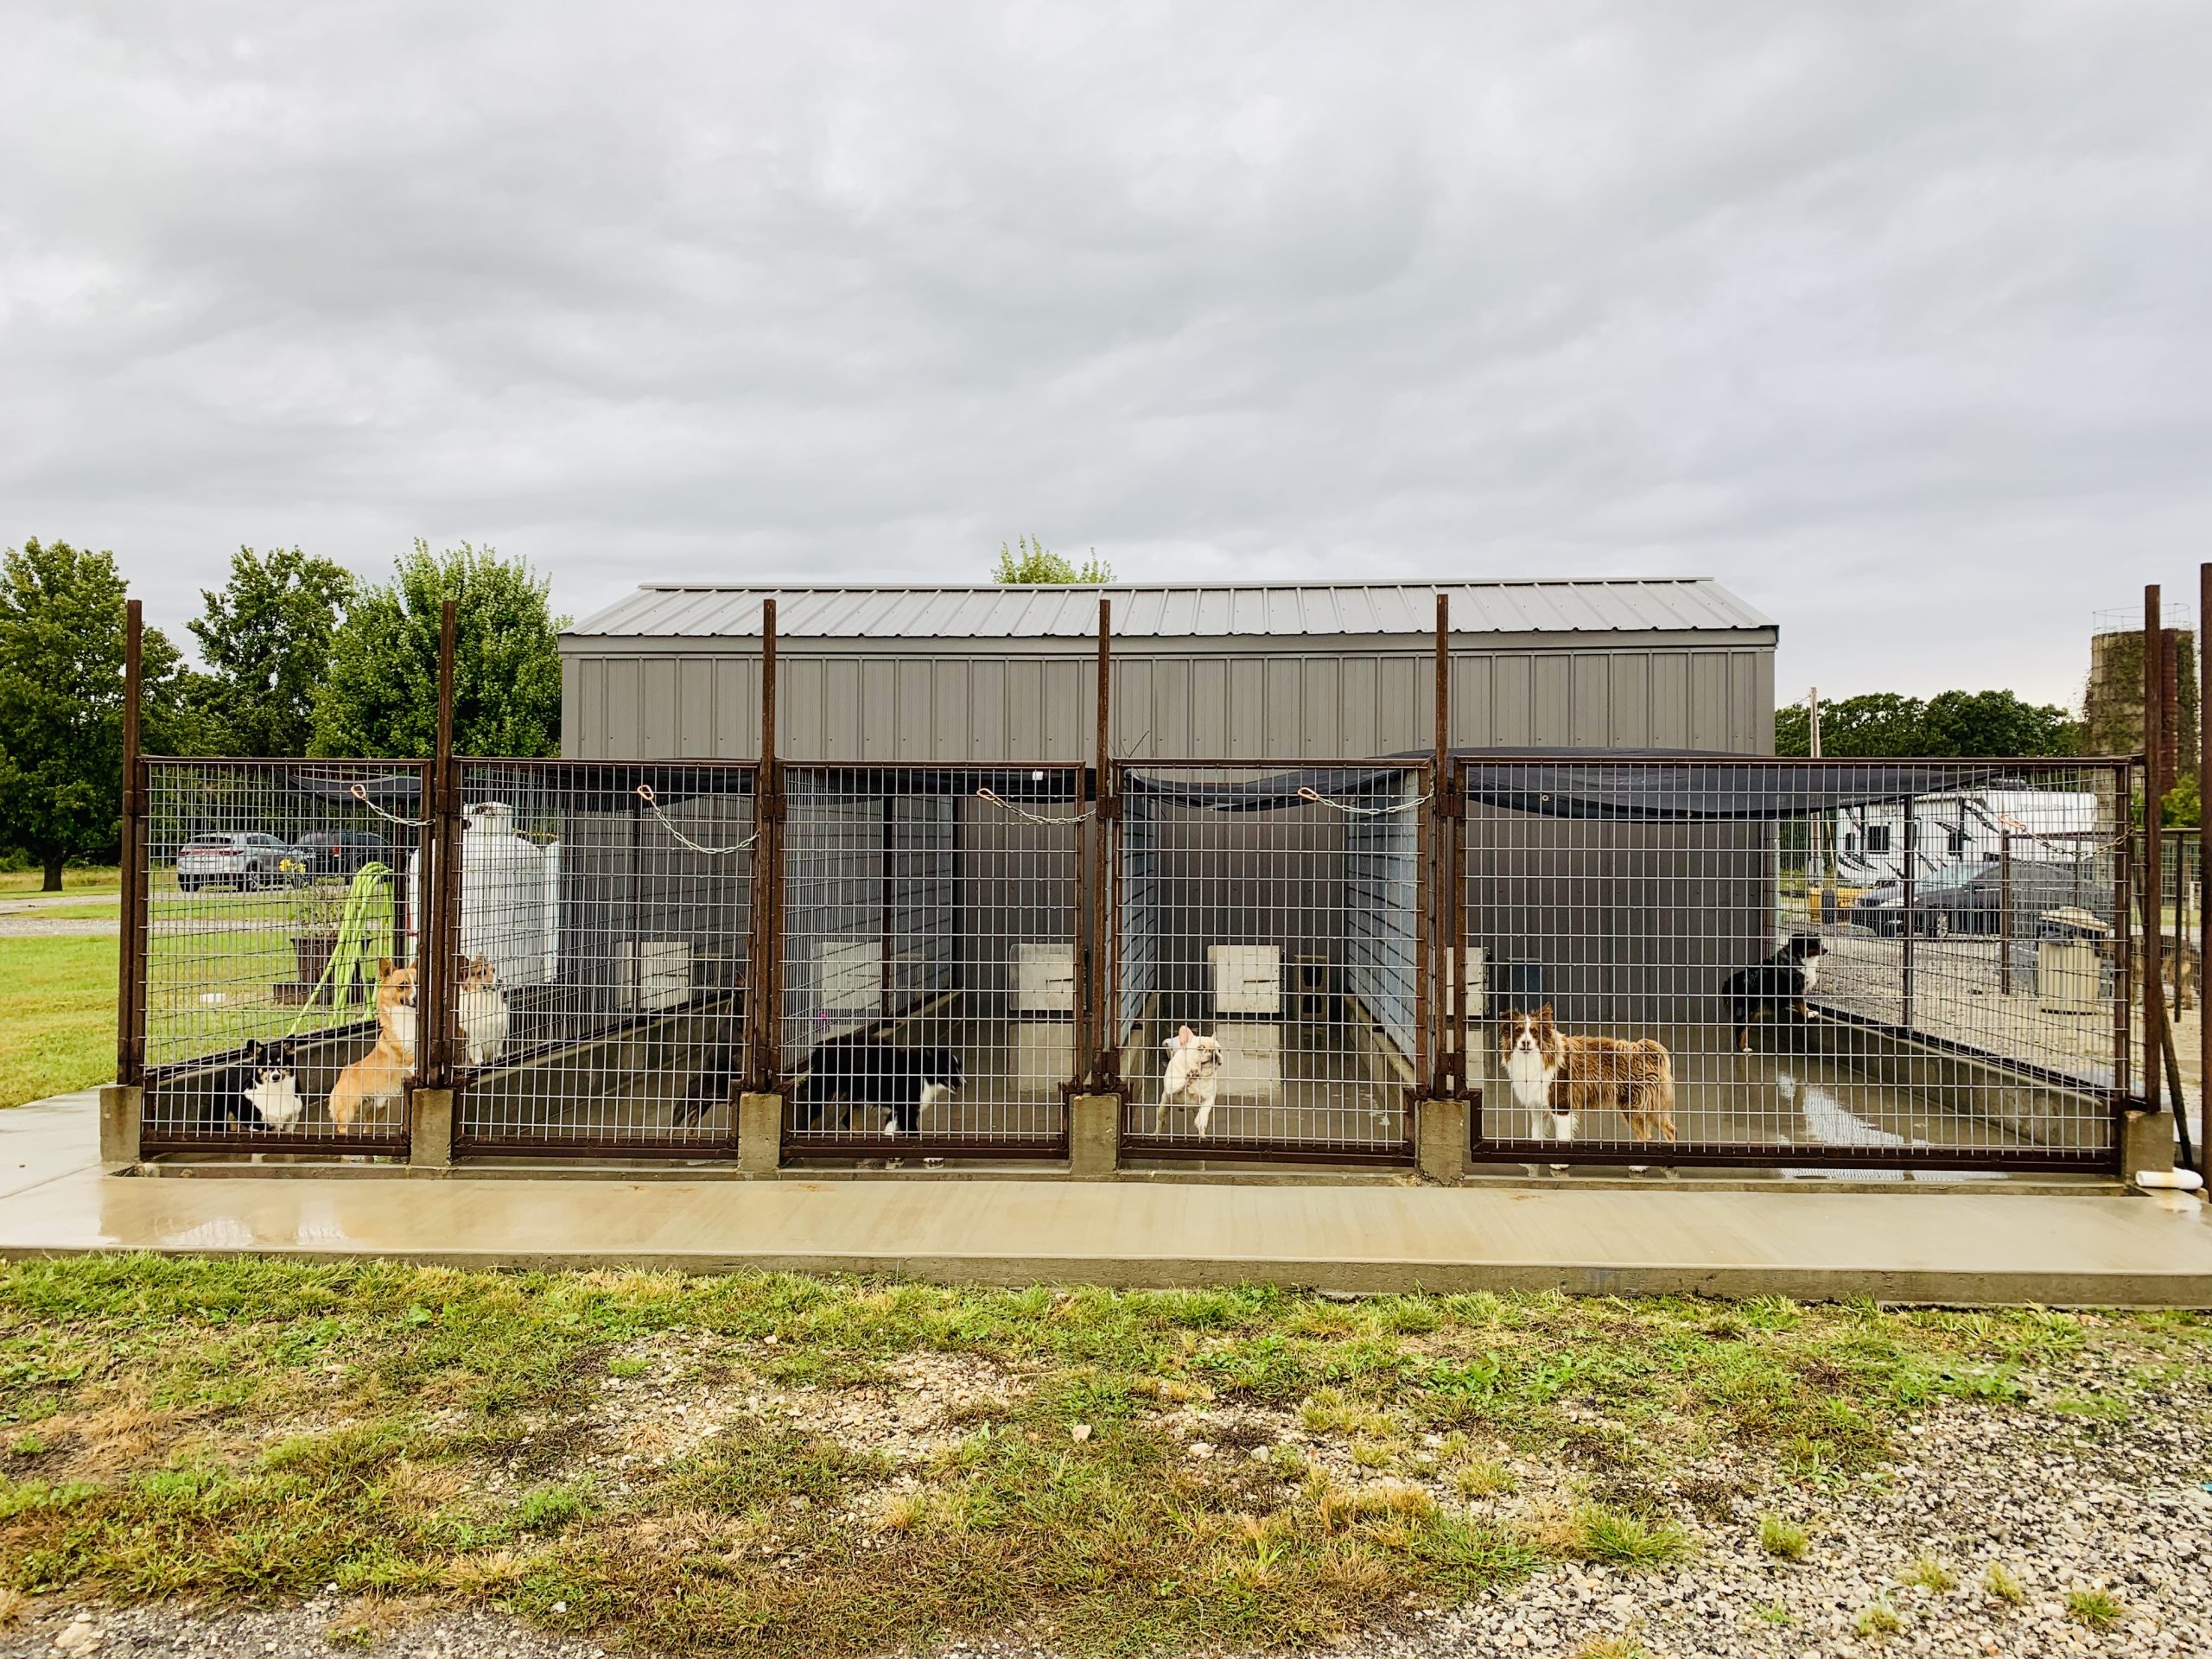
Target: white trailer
1962,826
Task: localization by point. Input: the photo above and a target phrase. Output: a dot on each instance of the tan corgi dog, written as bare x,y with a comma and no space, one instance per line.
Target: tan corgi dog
374,1083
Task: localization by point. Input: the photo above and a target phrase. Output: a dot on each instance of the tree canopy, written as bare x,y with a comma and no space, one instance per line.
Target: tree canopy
379,695
265,637
63,626
1030,561
1883,724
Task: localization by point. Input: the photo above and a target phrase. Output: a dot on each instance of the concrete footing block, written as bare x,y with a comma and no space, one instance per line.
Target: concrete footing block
760,1133
2147,1143
1094,1136
429,1129
121,1113
1440,1132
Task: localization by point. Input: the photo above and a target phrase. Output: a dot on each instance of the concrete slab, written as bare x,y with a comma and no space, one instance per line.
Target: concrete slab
1898,1245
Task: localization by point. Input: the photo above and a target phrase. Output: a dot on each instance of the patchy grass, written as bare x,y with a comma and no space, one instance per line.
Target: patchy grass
1783,1540
1931,1574
2100,1609
1880,1619
2004,1584
57,1017
1136,1471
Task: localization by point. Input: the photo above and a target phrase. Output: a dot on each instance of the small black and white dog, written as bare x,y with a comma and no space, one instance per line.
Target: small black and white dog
866,1073
1773,989
710,1086
261,1091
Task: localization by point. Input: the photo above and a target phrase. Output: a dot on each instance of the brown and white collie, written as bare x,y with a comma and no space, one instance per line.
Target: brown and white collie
375,1082
1556,1078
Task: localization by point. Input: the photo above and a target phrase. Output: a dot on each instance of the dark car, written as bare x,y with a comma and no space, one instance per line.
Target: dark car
1971,897
338,852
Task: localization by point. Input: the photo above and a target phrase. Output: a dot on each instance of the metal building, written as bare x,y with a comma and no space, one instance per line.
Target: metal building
1226,671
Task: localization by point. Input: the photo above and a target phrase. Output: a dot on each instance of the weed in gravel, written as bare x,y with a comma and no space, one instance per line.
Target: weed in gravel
1611,1647
1930,1573
548,1509
1774,1612
1482,1477
1596,1533
2100,1609
14,1603
1374,1454
1328,1411
1784,1540
26,1445
2004,1584
1878,1619
628,1365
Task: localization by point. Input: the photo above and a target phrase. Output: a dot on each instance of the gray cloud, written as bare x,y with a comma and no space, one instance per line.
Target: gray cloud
1890,317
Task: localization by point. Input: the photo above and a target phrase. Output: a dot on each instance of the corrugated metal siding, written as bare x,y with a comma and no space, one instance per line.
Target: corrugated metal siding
1249,705
1305,609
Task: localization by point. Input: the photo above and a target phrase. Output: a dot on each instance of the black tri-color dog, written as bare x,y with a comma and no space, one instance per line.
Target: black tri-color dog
1774,990
865,1073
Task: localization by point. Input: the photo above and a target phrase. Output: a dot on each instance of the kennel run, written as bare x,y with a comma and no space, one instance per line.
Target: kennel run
911,963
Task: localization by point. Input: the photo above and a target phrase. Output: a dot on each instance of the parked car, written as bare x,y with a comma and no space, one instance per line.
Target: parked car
338,852
243,860
1970,897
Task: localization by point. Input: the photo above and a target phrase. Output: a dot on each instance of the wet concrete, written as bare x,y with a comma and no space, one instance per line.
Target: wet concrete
1974,1247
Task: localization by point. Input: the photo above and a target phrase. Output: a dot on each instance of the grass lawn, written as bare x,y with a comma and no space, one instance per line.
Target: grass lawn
75,878
57,1015
798,1466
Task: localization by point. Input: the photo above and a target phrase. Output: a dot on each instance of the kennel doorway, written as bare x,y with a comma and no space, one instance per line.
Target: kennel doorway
612,904
273,889
1276,909
929,909
1954,1025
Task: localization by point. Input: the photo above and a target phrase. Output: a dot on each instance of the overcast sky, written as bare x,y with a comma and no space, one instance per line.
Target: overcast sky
1896,318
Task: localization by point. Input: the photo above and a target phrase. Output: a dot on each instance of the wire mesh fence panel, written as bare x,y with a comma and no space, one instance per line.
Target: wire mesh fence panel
280,983
1798,964
1267,962
928,959
603,926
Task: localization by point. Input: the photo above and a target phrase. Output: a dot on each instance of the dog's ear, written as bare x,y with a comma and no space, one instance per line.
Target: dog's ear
1544,1018
384,967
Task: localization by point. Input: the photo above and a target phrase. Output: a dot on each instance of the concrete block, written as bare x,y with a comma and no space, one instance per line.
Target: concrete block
1094,1136
1440,1139
429,1129
121,1113
2146,1143
760,1133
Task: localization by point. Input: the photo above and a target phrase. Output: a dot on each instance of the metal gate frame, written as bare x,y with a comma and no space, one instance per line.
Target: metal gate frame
973,780
2119,1097
1137,1138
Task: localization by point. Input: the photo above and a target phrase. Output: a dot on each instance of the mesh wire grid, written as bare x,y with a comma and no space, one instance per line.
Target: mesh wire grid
927,939
1273,914
275,891
1794,963
604,925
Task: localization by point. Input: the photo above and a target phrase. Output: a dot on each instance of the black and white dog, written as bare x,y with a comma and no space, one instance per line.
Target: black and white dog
868,1073
711,1086
261,1091
1773,989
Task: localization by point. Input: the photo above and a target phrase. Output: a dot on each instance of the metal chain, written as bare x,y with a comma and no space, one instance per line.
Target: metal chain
361,792
1319,799
645,794
1005,805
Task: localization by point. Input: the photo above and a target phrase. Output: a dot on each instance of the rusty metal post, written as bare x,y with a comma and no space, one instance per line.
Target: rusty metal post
764,995
2204,878
1091,922
434,1063
131,992
2151,886
2123,969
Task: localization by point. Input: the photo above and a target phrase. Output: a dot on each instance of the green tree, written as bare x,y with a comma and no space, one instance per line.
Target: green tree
380,696
1883,724
62,646
1029,562
265,637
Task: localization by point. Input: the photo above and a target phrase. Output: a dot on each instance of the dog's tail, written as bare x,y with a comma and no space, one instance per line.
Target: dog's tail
1661,1086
